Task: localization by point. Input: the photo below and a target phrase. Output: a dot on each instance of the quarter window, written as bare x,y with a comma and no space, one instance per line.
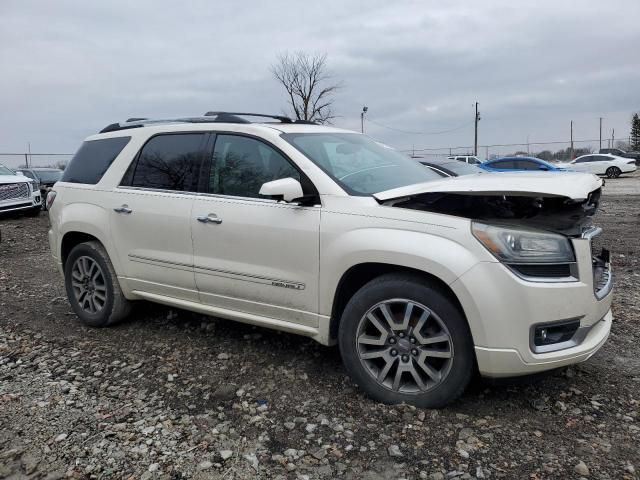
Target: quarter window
93,159
169,162
242,164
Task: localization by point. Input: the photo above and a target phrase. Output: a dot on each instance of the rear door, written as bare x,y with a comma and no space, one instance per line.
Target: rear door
151,215
253,254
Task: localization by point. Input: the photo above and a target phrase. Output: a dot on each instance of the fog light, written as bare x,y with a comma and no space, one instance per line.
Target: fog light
556,332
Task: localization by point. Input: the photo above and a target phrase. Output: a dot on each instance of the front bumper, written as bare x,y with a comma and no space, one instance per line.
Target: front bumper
502,309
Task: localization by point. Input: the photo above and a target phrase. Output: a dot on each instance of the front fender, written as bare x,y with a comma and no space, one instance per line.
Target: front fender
427,252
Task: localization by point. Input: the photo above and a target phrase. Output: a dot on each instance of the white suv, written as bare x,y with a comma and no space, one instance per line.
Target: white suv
326,233
18,193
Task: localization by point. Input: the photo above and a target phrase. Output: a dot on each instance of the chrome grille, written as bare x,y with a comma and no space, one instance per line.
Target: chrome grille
12,191
601,267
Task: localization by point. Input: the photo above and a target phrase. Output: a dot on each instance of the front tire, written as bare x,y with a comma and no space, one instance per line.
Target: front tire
92,286
613,172
403,340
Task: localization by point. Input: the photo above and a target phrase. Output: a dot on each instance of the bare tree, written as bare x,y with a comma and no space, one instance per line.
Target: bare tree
308,85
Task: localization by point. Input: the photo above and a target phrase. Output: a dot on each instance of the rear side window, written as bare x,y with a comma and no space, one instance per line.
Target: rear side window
506,164
93,159
526,165
168,162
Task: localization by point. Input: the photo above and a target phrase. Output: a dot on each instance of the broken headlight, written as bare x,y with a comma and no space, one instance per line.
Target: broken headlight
511,245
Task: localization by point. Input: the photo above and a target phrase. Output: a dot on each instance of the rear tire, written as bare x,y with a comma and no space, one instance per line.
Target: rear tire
613,172
399,357
92,286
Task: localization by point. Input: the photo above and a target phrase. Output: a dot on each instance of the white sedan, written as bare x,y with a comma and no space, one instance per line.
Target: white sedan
601,164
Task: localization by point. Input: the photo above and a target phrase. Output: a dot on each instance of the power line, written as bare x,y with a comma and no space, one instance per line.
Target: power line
418,133
564,142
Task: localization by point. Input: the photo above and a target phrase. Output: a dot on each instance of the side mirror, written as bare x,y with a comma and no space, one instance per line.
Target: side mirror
287,189
543,167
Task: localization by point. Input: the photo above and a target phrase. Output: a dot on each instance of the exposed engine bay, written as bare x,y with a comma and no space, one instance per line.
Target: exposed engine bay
552,213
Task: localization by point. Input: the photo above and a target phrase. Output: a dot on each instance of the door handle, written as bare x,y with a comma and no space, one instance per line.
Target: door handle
123,209
211,218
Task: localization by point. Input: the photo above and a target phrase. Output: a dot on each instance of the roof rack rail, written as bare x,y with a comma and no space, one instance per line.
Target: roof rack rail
209,117
235,115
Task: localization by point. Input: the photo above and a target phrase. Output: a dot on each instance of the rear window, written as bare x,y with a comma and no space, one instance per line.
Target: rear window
93,159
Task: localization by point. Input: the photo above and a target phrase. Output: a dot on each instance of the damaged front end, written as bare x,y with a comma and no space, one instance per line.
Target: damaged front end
560,203
556,214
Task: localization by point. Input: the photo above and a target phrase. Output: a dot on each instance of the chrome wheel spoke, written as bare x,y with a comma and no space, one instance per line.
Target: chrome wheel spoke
435,339
384,371
374,354
436,353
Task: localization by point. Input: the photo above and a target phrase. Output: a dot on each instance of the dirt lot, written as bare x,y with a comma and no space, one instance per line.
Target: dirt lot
173,395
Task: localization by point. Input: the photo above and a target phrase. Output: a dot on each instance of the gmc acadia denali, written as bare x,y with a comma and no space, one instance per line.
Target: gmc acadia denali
326,233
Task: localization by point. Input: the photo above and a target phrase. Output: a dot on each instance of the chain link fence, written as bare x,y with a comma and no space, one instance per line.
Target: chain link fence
24,160
558,151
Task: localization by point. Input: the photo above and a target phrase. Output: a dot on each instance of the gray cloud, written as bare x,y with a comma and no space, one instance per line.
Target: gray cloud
71,67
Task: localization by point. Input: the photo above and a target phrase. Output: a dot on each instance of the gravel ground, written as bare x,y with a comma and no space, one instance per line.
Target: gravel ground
171,395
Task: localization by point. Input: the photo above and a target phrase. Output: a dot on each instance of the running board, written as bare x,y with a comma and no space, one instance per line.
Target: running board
235,315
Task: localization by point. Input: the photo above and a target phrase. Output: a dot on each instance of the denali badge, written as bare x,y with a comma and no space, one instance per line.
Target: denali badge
294,286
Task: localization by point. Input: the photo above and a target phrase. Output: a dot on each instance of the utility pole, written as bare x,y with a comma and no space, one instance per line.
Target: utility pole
475,141
364,110
600,132
571,148
613,137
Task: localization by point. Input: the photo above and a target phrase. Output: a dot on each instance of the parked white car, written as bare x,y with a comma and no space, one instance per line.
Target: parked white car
18,193
326,233
601,164
470,159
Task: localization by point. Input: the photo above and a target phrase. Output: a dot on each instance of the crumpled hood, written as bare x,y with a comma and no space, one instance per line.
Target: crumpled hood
573,185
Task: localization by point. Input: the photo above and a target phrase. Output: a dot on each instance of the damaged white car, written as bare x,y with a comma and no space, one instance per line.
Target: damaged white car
325,233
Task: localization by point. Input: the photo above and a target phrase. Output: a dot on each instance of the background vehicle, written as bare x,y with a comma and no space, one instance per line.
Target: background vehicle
18,193
326,233
602,164
621,153
509,164
451,168
470,159
45,177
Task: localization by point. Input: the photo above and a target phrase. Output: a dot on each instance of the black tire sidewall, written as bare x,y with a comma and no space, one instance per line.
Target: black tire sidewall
100,319
421,292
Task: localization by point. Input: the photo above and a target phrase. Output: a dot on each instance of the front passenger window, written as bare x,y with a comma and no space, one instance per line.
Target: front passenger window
242,164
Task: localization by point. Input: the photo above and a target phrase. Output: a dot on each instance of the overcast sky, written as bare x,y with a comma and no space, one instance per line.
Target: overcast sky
71,67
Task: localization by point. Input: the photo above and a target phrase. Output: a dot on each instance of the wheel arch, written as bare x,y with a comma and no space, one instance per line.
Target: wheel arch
360,274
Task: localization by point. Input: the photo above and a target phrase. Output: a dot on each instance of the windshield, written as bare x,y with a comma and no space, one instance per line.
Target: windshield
49,175
6,171
359,164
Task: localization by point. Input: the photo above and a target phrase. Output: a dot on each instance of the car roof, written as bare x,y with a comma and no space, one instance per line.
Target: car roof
517,158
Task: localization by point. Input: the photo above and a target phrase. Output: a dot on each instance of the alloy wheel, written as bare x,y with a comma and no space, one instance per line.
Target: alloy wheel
89,285
404,346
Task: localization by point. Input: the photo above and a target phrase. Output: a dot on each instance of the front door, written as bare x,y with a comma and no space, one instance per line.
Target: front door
252,254
151,215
